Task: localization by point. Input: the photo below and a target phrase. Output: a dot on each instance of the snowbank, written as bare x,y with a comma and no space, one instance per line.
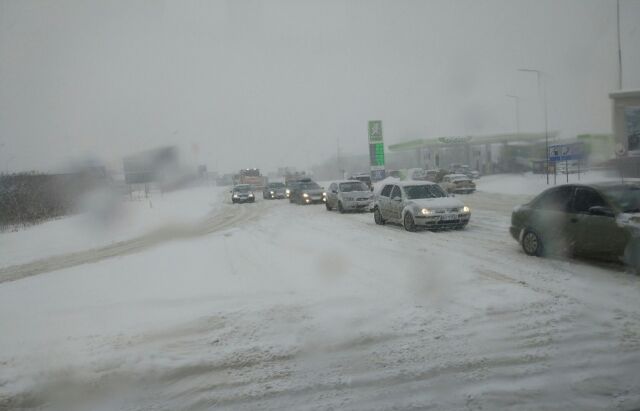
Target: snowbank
532,184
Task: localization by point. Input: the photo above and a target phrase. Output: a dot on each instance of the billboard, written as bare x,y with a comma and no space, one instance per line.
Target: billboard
149,166
566,152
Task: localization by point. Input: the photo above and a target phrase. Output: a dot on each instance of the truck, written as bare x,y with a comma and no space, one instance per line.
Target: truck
251,176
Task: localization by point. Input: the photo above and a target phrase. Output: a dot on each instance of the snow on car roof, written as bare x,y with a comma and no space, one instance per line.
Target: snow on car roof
458,176
413,183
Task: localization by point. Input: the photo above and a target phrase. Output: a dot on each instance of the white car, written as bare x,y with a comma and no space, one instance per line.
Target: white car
349,195
419,204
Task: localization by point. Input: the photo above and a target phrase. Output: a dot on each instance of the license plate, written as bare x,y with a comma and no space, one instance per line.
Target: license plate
449,217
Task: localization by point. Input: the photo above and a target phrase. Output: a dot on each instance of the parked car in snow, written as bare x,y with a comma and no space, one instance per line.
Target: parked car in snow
458,183
417,204
365,178
242,193
306,191
595,220
274,190
349,195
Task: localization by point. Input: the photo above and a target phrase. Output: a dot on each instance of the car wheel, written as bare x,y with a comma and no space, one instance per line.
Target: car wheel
326,204
409,224
377,216
340,208
531,243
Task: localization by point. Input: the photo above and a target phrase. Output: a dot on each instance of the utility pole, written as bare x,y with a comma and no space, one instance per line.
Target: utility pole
619,45
546,120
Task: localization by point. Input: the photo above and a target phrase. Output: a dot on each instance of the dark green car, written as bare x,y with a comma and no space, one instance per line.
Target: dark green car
592,220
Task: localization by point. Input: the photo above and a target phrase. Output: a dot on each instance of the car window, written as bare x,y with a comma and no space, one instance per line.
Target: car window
586,198
558,199
386,191
424,191
395,192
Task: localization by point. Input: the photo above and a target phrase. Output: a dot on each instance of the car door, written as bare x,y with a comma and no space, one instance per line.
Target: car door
395,204
384,200
550,216
597,235
332,195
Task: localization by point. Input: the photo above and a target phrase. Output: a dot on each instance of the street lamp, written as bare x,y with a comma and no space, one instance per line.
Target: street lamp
546,121
516,99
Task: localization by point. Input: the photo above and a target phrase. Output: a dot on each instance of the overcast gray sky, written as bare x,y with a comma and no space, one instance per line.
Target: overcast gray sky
277,83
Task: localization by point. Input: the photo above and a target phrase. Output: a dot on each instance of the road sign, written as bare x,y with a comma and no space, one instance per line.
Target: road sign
566,152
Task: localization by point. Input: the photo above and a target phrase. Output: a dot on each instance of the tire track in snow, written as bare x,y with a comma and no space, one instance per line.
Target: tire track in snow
229,216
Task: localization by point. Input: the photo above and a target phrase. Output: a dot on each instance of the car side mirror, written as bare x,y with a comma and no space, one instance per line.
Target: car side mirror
601,211
334,191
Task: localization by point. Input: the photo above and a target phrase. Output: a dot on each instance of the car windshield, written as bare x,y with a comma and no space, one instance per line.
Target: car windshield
309,186
243,188
625,197
352,186
424,191
276,185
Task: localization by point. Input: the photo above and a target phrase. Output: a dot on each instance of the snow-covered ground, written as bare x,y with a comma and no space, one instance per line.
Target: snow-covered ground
91,229
531,184
277,306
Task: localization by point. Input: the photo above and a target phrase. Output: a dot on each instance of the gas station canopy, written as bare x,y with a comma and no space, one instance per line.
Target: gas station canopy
452,141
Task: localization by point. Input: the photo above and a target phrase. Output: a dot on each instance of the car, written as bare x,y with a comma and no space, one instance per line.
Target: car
458,183
349,195
595,220
365,178
419,204
306,191
274,190
242,193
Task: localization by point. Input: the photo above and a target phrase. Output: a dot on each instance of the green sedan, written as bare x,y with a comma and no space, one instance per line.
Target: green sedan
592,220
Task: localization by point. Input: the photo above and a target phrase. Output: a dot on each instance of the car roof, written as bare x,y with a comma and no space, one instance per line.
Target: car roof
411,183
346,181
241,185
457,175
608,184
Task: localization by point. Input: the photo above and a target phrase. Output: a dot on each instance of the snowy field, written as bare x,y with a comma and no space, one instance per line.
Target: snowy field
277,306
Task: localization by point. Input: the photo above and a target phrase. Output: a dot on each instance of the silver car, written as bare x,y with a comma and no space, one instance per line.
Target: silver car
419,204
349,195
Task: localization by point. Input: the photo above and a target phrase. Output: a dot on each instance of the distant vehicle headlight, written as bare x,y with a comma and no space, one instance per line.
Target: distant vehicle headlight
272,192
305,195
287,191
426,211
324,194
235,196
466,209
250,194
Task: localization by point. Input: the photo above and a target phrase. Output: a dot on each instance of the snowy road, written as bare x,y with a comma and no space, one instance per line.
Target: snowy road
289,307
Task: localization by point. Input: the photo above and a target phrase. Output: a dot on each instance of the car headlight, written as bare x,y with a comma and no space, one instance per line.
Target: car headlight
324,194
235,196
466,209
426,211
287,191
250,194
272,192
305,195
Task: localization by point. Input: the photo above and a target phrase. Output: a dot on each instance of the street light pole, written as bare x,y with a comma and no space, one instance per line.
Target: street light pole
619,45
517,101
546,120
